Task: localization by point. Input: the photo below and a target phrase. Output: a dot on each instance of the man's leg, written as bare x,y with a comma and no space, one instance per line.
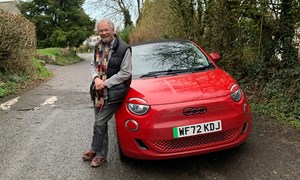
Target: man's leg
100,135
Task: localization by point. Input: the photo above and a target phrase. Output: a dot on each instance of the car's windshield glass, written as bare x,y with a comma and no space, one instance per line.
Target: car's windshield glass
167,56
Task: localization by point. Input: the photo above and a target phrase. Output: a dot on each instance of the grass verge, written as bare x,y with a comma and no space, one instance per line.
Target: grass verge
272,110
58,56
14,83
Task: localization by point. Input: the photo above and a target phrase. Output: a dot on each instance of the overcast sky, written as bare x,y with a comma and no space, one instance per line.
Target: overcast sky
97,12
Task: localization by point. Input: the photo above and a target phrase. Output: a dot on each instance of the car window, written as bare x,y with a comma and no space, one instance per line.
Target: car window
166,56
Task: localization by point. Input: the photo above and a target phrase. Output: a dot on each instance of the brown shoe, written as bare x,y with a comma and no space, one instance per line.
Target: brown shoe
97,161
88,155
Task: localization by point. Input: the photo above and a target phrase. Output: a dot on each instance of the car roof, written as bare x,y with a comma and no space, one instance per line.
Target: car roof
158,41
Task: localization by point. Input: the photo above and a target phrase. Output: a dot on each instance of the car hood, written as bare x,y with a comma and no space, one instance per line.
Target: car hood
182,87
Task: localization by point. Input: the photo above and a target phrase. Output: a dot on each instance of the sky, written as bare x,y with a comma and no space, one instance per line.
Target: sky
98,12
91,10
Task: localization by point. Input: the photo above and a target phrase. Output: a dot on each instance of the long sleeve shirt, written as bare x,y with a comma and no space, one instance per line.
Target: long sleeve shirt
122,75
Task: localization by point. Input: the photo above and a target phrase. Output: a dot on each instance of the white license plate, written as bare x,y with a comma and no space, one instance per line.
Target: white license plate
196,129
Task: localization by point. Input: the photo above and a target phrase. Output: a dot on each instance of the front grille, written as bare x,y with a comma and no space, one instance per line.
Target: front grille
196,142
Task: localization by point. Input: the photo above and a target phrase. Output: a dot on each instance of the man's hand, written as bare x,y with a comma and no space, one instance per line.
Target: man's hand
99,83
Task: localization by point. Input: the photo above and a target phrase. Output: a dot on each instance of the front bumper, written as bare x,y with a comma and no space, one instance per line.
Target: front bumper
154,140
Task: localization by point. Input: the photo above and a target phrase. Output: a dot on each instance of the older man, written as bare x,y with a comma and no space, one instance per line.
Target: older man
111,74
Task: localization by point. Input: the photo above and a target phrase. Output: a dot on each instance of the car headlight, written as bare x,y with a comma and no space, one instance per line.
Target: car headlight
138,106
236,93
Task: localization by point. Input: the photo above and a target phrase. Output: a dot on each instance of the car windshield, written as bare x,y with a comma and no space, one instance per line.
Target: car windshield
165,58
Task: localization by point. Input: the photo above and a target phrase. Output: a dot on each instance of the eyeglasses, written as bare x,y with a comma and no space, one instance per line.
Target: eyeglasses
103,31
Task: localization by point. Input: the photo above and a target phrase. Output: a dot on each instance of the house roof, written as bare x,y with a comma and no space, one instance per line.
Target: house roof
9,6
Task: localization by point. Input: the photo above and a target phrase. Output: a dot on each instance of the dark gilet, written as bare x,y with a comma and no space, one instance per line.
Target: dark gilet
118,49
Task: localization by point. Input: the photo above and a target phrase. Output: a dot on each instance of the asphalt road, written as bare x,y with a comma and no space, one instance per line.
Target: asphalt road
44,130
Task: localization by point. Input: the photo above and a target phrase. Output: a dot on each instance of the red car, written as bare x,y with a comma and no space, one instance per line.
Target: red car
180,104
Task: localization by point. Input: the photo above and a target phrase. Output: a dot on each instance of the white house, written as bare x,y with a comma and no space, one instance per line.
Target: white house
92,40
9,6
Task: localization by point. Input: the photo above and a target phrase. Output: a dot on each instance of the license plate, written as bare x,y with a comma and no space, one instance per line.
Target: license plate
196,129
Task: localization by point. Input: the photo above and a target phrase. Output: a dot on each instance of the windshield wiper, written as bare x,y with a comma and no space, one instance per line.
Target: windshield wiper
165,72
171,71
210,66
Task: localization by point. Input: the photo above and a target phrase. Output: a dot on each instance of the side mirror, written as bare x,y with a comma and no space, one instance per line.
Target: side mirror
215,56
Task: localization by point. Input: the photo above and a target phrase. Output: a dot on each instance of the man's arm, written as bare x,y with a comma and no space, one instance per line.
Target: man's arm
124,73
93,68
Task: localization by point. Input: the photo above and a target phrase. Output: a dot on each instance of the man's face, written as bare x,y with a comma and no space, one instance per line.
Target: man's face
106,32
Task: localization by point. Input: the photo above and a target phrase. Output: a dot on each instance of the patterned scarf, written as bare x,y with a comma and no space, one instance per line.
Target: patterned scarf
102,53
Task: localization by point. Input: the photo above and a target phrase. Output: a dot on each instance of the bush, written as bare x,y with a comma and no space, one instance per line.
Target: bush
124,35
17,43
278,96
11,83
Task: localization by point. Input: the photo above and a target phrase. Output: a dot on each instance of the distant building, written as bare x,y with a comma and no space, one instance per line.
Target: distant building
9,6
91,41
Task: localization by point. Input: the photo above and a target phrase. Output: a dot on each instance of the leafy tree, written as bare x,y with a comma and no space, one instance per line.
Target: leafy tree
124,34
59,23
223,32
289,17
154,22
187,17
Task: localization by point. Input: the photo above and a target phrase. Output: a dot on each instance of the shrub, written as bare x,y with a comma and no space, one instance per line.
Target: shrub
17,43
124,35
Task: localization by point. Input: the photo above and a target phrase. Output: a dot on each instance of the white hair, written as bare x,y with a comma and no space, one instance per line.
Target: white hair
111,24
